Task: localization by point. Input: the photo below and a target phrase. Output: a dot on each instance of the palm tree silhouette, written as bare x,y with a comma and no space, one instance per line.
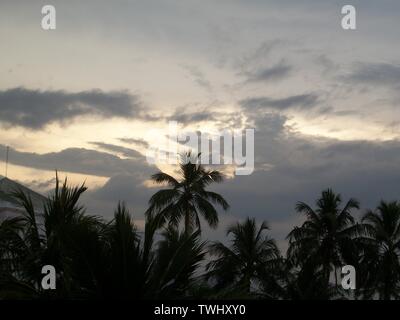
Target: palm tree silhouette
248,260
187,196
380,235
93,259
325,238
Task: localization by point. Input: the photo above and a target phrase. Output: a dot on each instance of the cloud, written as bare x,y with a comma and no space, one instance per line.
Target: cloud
139,142
326,63
83,161
199,77
274,73
193,117
126,152
289,168
376,74
257,104
34,109
260,55
127,188
41,185
299,168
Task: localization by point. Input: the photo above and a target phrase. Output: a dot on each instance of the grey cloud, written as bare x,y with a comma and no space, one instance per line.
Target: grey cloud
80,160
199,77
127,188
222,120
302,101
140,142
376,74
192,117
257,56
127,152
40,185
35,109
300,167
276,72
326,63
291,167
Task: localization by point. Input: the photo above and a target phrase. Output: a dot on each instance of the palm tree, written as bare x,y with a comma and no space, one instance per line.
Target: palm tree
249,259
60,237
139,269
305,283
187,196
324,240
92,258
380,235
176,259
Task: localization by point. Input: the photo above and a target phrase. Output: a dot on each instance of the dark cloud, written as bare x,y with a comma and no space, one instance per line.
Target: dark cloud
127,188
222,120
274,73
84,161
291,167
35,109
126,152
256,104
192,117
376,74
139,142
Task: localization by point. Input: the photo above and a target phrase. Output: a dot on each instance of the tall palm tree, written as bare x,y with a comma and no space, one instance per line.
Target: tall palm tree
248,260
187,196
380,235
324,240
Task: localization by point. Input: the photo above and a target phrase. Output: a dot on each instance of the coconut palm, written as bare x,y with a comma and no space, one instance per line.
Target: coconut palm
380,235
305,283
187,197
248,260
59,237
176,259
139,268
324,240
92,258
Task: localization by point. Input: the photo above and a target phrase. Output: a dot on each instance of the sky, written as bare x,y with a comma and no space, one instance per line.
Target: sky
323,101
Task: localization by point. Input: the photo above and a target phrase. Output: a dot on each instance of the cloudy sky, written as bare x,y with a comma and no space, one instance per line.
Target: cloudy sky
323,100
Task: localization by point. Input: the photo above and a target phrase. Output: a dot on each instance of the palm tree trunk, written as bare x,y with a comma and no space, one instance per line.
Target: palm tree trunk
336,278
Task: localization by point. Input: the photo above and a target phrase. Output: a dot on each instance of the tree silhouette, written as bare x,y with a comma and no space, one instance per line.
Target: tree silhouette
93,259
325,238
380,236
113,259
187,197
251,256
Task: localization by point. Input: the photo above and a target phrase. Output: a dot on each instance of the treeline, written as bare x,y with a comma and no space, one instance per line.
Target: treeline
95,258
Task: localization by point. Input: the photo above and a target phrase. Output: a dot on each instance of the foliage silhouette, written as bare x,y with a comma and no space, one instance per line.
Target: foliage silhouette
187,197
95,258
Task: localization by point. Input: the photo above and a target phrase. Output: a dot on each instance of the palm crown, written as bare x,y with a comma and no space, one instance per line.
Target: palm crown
380,237
251,254
325,238
187,197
